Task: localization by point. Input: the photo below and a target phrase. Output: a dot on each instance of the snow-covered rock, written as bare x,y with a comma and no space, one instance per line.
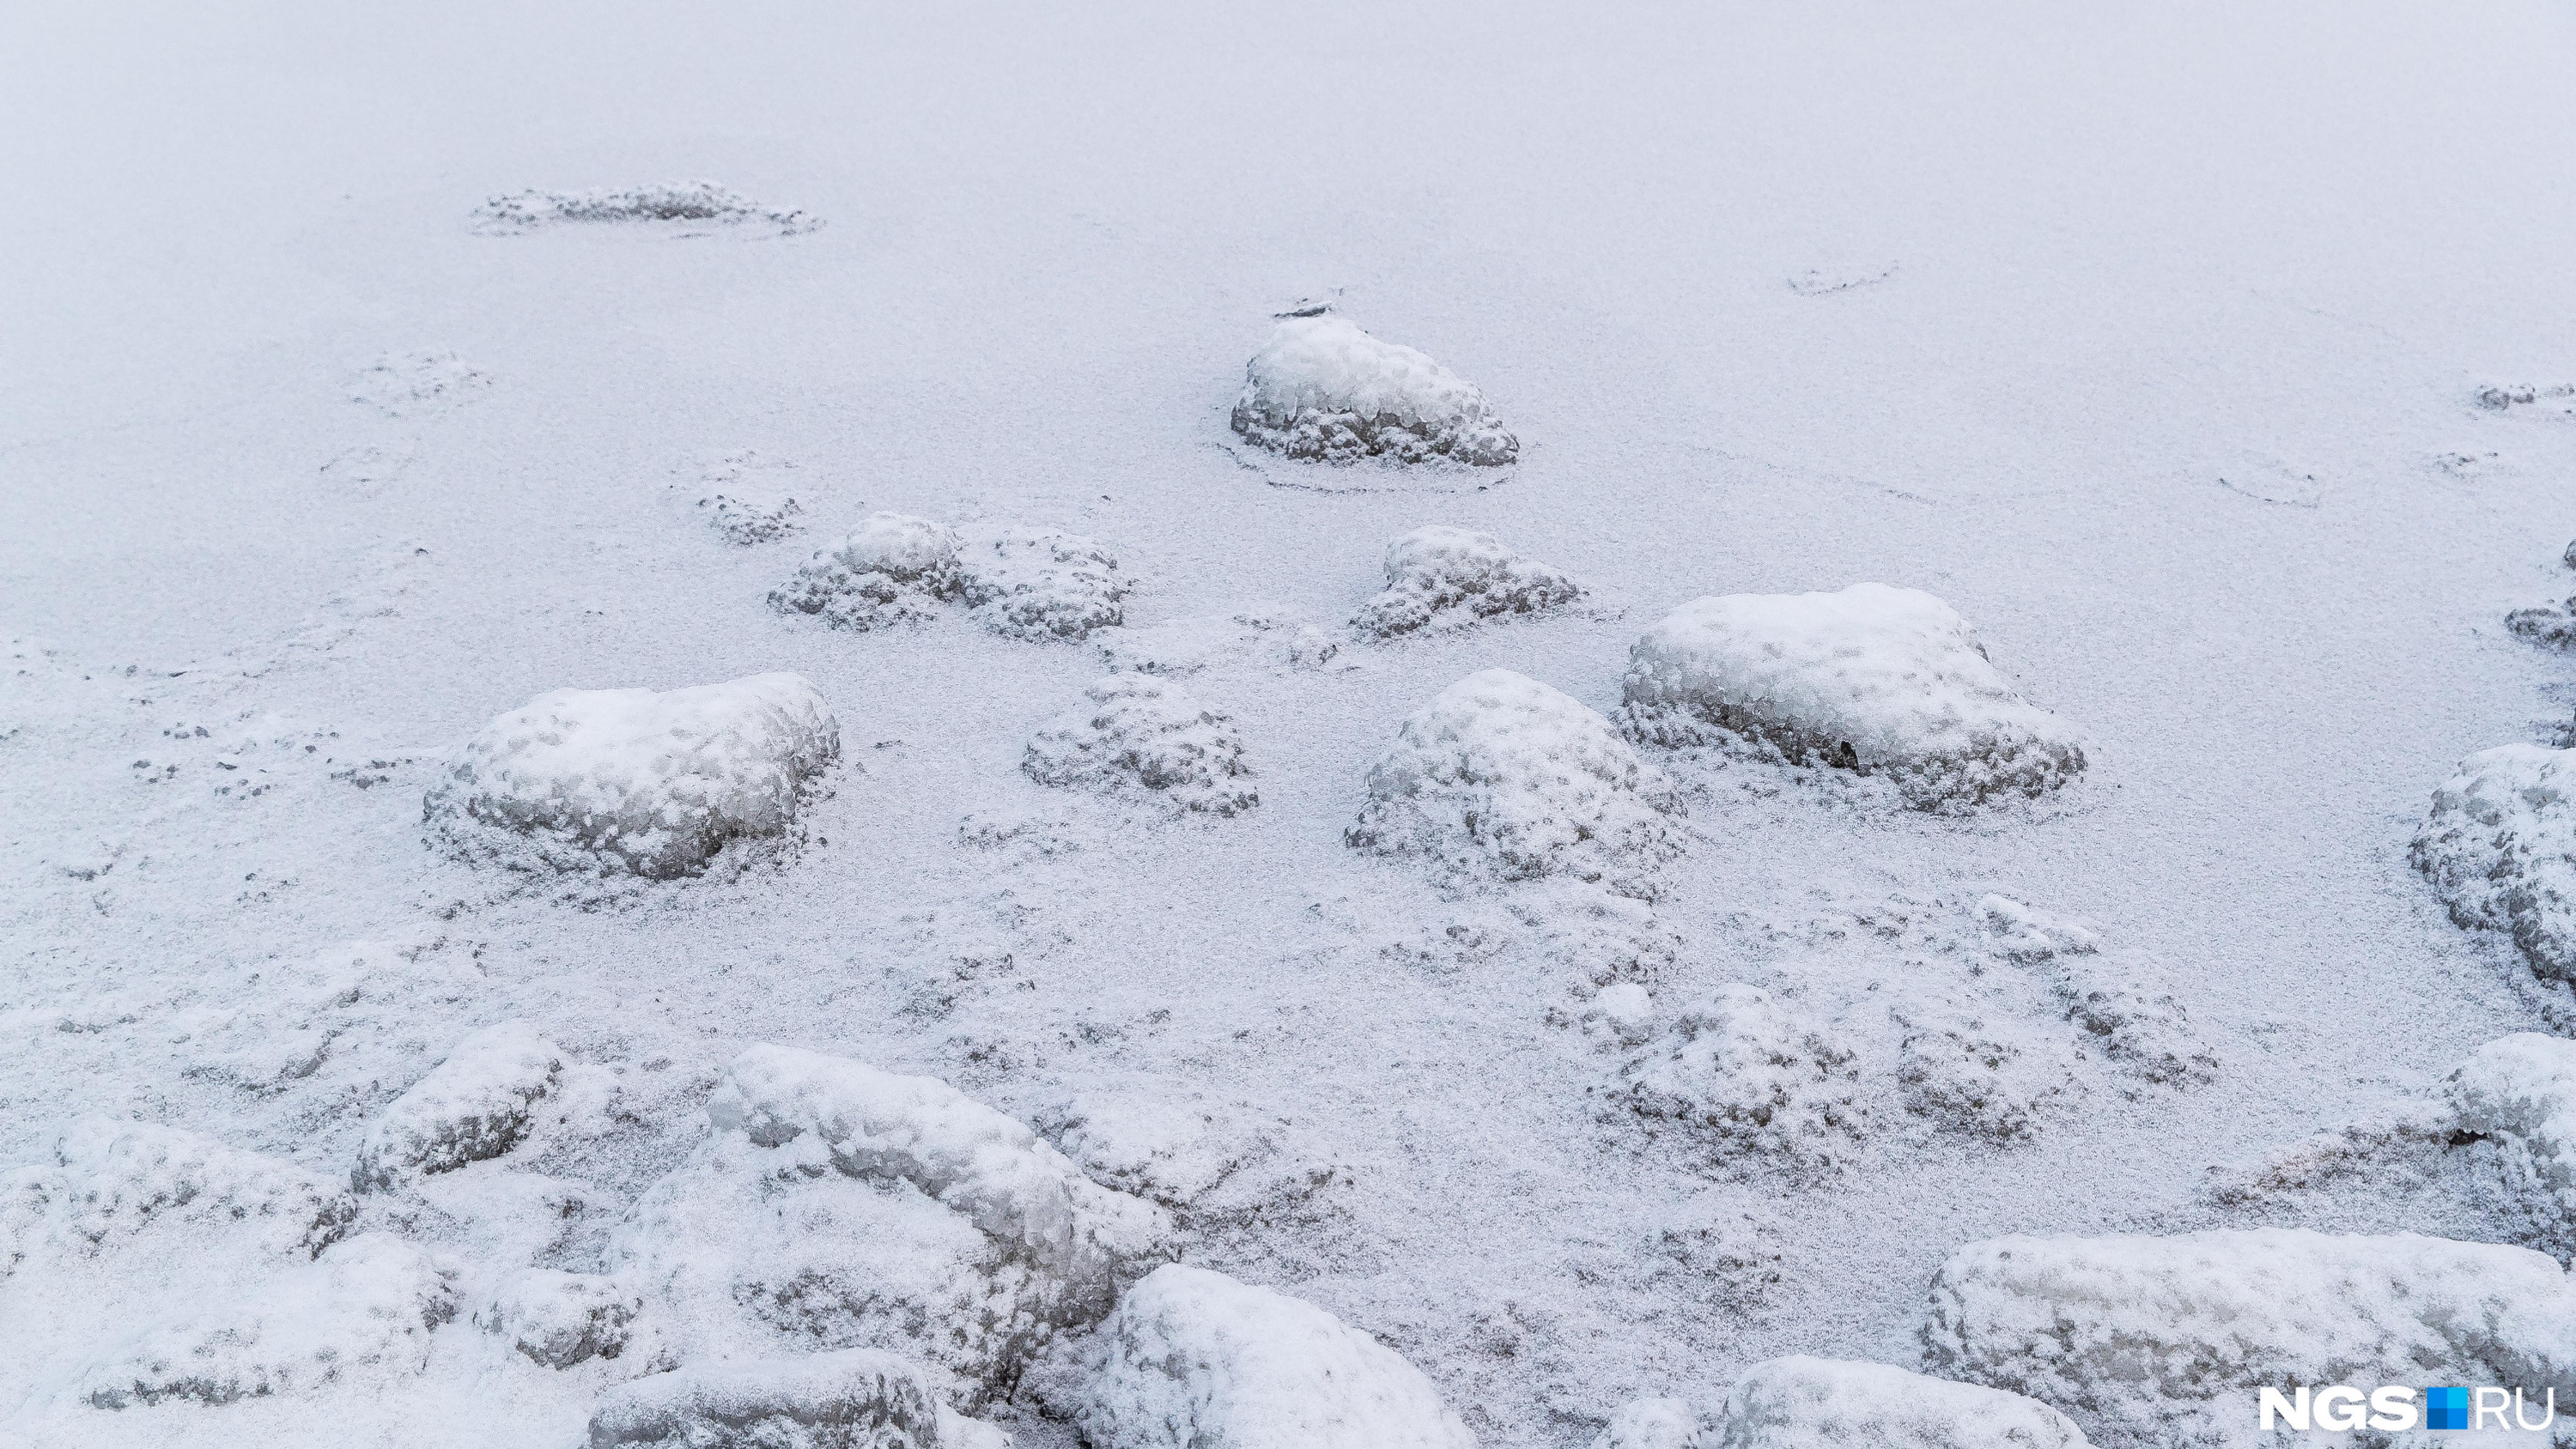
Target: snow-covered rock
2130,1020
1502,776
1621,1011
751,499
110,1181
1043,584
1321,388
367,1304
1753,1080
891,568
2500,849
1457,574
1823,1403
2550,625
2153,1342
1652,1424
1875,679
854,1399
683,208
476,1104
1141,732
1195,1360
628,780
2518,1094
558,1318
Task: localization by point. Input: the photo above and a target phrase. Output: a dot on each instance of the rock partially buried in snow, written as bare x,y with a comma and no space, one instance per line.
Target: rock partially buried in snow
560,1319
1323,389
475,1105
1143,733
1823,1403
1753,1080
111,1181
630,781
1043,584
853,1399
1195,1360
1502,776
891,568
2551,626
1652,1424
2518,1094
2500,849
1440,573
1874,679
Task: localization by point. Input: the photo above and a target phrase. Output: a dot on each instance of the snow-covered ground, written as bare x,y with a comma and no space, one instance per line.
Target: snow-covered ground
371,374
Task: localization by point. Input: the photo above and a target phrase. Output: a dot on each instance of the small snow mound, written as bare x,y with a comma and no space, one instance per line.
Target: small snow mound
475,1105
1622,1011
2031,937
1823,1403
560,1319
1652,1424
853,1399
110,1181
1752,1079
1140,732
2500,849
627,780
1502,776
2552,626
1965,1075
2518,1094
1323,389
2151,1342
890,569
1195,1360
1462,575
414,383
1042,584
1873,679
751,499
687,208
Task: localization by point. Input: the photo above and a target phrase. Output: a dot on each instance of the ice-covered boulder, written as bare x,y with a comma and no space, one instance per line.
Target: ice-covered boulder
1824,1403
1143,733
1195,1360
2518,1094
2500,849
1456,574
853,1399
1753,1080
2157,1341
1043,584
1880,680
110,1181
891,568
1502,776
560,1319
1321,388
475,1105
628,780
1652,1424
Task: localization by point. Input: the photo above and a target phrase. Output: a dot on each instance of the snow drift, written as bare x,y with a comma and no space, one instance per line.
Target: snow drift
2500,849
1823,1403
1457,574
888,570
1323,389
111,1181
1143,733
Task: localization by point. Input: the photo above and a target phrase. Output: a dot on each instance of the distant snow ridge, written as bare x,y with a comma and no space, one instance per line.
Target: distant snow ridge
686,208
1754,1081
853,1399
110,1181
1043,584
2155,1342
2500,849
630,781
890,569
1195,1360
475,1105
1323,389
1874,679
1823,1403
1501,776
1141,732
1459,575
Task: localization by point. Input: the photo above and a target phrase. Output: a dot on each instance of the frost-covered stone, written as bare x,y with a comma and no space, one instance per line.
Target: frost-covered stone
2518,1094
1323,389
684,208
890,569
2500,849
560,1319
1875,679
2153,1342
751,499
1140,732
853,1399
367,1304
476,1104
1458,574
1502,776
627,780
1823,1403
1195,1360
1043,584
2550,625
2129,1020
1753,1080
1652,1424
110,1181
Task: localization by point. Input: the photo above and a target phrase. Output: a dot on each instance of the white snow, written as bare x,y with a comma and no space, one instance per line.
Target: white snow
1188,646
2500,848
1439,574
750,498
1043,584
1875,679
1322,389
110,1181
1822,1403
474,1105
1143,733
631,780
889,569
1195,1360
853,1399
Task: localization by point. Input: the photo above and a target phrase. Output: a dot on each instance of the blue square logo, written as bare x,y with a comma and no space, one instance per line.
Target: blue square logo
2446,1408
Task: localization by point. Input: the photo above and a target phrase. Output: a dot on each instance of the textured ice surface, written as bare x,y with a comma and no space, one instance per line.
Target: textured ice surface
1138,732
1875,679
1043,584
1195,1360
1823,1403
891,568
1502,777
683,208
2500,849
474,1105
1439,573
627,780
1321,388
110,1181
852,1399
1753,1080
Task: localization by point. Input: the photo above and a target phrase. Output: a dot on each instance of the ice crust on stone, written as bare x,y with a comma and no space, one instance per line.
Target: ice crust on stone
631,781
1502,777
560,1319
1752,1080
2159,1341
1043,584
1652,1424
852,1399
1322,389
1142,733
891,568
1821,1403
2500,849
1193,1359
1457,575
683,208
1880,680
110,1181
475,1105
